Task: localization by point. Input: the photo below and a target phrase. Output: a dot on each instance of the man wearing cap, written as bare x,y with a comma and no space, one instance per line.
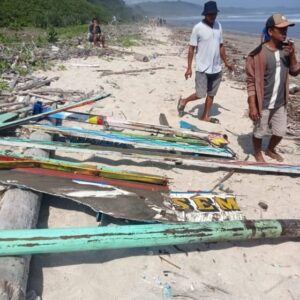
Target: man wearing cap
268,67
207,39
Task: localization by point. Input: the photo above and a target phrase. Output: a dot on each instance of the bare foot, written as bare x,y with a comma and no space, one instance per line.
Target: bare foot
274,155
211,120
205,119
259,157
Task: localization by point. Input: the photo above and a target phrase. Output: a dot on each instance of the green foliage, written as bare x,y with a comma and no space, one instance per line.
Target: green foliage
41,39
21,70
129,40
61,68
9,38
42,13
52,35
4,86
4,66
71,31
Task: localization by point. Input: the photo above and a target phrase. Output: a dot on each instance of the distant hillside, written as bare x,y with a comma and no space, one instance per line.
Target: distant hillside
166,8
184,8
117,8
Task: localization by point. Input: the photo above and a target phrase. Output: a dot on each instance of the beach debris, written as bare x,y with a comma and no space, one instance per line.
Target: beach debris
11,160
108,73
167,291
163,120
36,241
294,88
280,282
47,113
181,250
130,141
141,57
169,262
220,184
215,288
263,205
144,201
214,138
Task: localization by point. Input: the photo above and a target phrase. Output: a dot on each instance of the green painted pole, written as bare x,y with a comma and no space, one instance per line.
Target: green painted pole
38,241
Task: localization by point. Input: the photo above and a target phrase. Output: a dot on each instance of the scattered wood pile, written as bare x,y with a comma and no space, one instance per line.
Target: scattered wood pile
18,100
24,58
294,114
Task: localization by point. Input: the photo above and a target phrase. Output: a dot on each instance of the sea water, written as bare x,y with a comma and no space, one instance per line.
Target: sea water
244,23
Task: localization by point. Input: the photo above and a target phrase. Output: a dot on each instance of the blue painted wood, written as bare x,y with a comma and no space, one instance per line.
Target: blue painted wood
118,138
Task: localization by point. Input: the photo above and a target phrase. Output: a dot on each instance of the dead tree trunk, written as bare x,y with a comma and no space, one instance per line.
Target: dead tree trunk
19,209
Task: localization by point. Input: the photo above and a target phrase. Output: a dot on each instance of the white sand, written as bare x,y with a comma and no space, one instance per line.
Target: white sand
248,270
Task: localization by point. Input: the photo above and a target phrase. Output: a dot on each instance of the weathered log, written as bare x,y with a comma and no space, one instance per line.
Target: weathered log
141,57
132,71
19,209
45,91
36,84
14,82
11,104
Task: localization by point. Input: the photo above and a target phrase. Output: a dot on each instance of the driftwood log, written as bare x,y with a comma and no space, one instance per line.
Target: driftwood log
131,71
19,209
141,57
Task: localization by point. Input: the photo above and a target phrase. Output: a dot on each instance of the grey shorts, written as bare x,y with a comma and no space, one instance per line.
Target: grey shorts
207,84
272,122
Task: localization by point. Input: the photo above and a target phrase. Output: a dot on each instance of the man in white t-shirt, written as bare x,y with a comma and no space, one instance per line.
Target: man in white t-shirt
207,39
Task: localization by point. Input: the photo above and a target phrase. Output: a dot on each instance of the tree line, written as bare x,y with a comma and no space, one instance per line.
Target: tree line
59,13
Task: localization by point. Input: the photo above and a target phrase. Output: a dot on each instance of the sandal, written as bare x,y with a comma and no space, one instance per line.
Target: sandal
214,120
180,108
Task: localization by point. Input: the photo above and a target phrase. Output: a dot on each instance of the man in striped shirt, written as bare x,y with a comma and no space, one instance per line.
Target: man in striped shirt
268,68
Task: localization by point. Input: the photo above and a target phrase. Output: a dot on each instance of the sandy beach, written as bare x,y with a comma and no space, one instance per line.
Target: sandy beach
266,269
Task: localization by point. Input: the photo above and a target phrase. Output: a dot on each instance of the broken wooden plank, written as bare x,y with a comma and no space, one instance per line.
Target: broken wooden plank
117,139
63,240
100,120
199,163
10,161
112,124
37,83
8,117
163,120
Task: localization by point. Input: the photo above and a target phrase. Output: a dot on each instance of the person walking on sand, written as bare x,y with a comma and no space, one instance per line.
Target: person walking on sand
207,39
268,67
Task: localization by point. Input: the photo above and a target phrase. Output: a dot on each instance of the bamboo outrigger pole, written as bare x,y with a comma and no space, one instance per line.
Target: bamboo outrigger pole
39,241
47,113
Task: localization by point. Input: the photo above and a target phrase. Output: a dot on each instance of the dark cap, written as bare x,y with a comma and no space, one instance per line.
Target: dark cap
279,21
210,8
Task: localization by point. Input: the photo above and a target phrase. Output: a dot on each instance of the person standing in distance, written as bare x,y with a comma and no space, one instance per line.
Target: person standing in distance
207,40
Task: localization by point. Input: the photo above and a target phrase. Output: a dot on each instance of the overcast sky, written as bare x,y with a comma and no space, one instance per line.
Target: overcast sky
240,3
